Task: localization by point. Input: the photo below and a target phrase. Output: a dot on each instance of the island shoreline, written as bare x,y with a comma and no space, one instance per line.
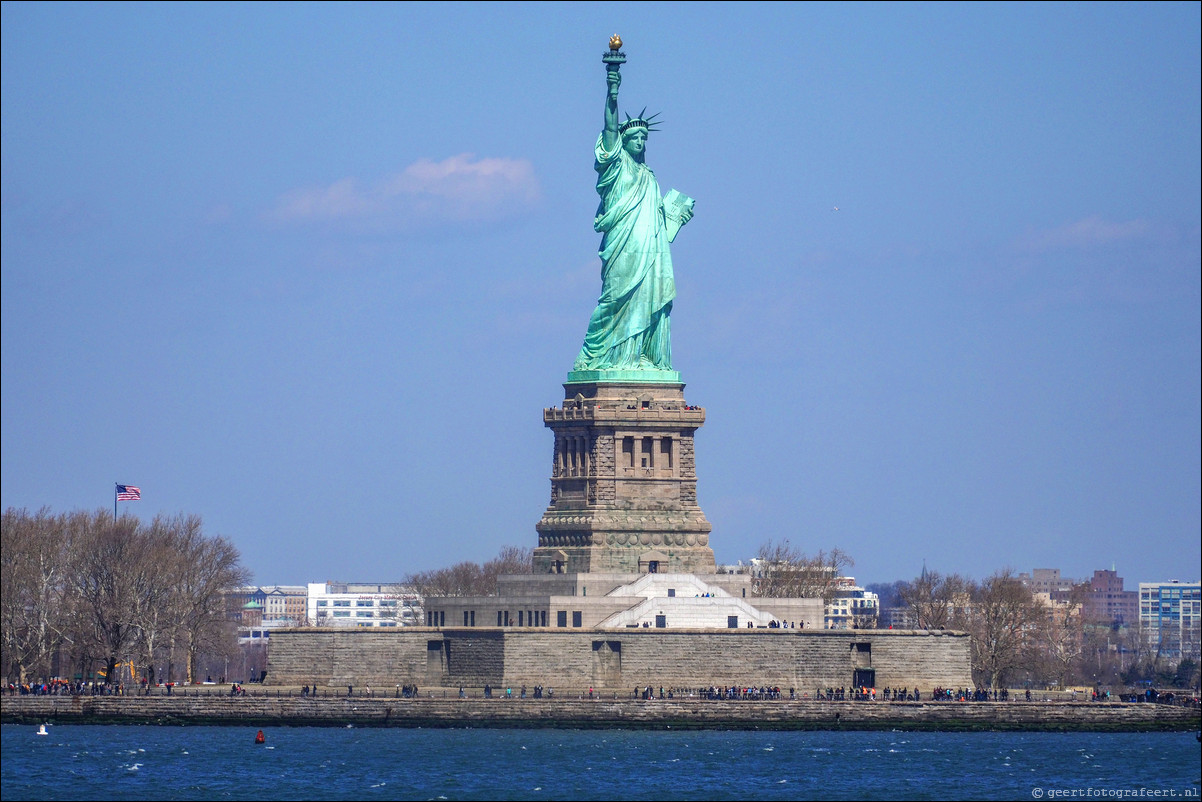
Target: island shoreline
281,710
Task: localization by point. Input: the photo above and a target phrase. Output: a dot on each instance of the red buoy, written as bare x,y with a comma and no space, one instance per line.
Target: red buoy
259,739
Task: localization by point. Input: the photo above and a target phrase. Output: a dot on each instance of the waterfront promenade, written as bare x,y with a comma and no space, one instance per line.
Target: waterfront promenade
264,707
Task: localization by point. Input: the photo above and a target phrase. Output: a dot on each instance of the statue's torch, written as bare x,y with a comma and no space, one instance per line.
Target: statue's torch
614,58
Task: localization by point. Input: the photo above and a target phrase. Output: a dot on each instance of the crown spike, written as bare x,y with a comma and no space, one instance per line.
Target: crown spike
648,123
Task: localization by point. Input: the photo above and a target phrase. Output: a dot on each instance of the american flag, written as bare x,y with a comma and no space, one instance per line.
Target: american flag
128,493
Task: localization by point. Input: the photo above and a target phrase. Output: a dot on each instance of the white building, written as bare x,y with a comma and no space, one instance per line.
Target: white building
283,603
356,604
1169,616
851,607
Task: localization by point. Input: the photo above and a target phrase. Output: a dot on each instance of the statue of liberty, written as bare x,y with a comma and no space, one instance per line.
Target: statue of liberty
631,329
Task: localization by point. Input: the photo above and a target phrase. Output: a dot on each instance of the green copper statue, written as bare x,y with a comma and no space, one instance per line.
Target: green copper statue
630,328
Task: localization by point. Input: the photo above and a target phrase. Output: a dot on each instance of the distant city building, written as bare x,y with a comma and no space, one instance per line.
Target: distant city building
898,618
1102,597
251,615
1060,605
241,606
284,603
1046,580
260,609
851,607
1169,617
357,604
1108,602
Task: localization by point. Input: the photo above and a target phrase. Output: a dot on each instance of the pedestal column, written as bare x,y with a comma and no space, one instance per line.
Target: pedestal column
631,507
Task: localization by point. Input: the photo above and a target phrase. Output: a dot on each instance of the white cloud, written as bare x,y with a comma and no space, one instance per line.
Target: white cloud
458,189
1086,233
340,199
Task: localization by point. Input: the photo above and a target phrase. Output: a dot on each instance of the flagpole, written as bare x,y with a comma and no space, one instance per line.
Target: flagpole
114,502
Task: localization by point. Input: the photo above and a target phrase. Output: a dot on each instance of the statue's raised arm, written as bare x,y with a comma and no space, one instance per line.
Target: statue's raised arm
630,328
610,132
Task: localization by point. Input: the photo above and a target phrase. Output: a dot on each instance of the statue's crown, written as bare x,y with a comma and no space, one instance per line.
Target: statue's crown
642,121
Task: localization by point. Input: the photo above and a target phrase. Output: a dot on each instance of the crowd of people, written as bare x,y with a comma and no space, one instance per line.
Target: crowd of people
972,695
537,692
740,692
62,687
55,687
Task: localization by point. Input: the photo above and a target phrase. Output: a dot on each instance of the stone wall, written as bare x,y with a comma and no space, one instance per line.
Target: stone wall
322,656
616,660
907,667
473,658
284,708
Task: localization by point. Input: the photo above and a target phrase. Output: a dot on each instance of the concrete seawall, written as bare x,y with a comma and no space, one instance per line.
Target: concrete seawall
333,711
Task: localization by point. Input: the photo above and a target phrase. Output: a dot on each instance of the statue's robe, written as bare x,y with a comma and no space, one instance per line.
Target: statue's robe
630,328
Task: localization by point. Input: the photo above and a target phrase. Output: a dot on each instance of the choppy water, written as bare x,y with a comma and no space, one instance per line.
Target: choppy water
144,762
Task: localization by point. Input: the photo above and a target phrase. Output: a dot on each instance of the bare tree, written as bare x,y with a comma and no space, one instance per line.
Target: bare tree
109,571
211,566
510,560
936,601
1061,640
33,563
784,571
111,590
1102,653
1005,618
472,579
158,603
461,579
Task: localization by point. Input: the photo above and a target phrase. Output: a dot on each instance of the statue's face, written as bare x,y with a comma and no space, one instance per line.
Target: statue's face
635,143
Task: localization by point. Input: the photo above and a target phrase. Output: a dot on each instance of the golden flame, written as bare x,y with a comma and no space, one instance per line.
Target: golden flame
615,42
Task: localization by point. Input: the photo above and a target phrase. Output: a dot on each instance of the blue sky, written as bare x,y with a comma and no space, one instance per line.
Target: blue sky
313,271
